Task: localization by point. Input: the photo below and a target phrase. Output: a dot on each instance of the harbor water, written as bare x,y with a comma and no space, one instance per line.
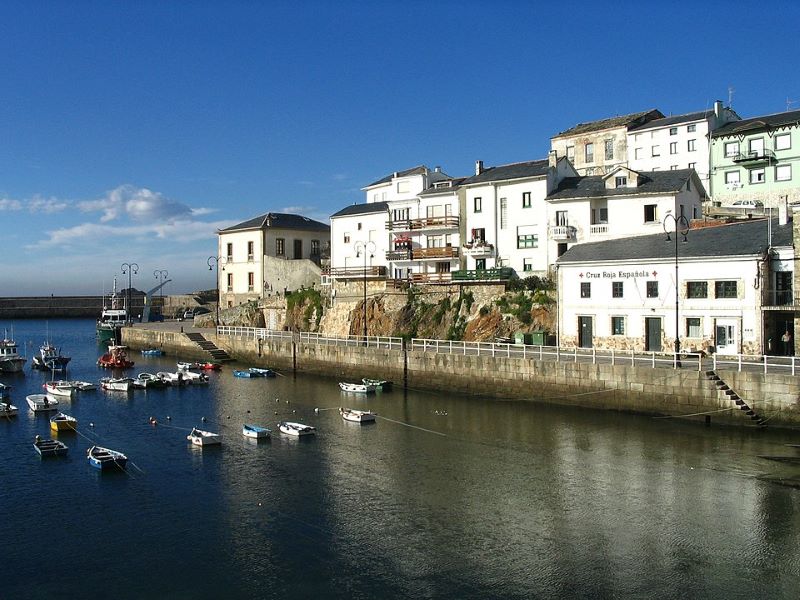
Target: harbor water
443,497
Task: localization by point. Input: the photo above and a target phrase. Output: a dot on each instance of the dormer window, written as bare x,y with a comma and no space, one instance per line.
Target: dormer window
621,181
442,184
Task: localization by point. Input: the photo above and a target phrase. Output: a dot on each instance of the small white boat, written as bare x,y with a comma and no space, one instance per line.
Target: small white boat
193,377
123,384
106,459
59,388
357,416
178,378
198,437
10,360
255,432
296,429
8,410
41,402
358,388
83,386
147,381
63,422
187,366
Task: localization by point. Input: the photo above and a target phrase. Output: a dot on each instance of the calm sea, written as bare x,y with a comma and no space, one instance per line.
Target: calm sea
444,497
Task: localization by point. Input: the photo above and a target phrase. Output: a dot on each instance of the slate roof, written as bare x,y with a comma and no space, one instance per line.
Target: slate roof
743,238
674,120
455,184
280,221
763,122
521,170
421,169
362,209
594,186
621,121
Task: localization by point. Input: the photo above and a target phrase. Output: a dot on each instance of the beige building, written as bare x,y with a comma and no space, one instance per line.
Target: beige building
270,253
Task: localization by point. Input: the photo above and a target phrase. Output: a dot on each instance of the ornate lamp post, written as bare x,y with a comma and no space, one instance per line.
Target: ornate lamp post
368,250
161,275
216,260
130,269
681,225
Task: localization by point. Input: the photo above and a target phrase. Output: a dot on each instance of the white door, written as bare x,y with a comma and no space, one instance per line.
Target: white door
726,336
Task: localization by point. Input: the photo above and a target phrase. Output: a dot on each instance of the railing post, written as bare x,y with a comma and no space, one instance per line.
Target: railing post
594,355
653,357
714,361
576,354
558,353
793,366
633,358
699,362
739,359
612,357
765,364
540,352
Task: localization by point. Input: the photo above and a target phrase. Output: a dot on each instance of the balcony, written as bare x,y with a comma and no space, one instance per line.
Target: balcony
598,229
478,249
434,253
398,255
562,233
754,156
778,299
431,277
497,274
448,222
355,272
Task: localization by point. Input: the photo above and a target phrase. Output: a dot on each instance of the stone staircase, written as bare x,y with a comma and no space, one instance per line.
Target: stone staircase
735,398
217,354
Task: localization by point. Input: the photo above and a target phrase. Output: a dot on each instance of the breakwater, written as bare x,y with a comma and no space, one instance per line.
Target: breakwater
626,388
55,307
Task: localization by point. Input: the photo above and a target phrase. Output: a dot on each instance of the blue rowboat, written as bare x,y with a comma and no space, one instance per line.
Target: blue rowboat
105,459
255,432
152,352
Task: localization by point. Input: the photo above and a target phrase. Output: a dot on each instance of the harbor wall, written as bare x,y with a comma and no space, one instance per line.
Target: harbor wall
644,390
58,307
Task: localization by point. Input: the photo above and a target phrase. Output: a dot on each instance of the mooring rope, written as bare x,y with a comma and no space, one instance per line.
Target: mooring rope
413,426
709,412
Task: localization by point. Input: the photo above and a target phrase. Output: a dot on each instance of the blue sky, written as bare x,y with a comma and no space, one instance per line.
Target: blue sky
131,131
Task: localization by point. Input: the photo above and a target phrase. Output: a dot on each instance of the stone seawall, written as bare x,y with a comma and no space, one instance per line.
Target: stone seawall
598,386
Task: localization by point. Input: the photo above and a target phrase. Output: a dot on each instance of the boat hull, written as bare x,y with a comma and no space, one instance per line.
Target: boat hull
104,459
254,432
204,438
357,388
357,416
12,365
296,429
50,448
41,403
8,410
63,423
65,390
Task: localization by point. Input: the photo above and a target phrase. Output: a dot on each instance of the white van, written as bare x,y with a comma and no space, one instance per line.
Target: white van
748,204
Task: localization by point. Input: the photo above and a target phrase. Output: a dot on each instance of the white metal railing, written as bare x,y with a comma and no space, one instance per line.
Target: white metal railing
258,333
599,229
373,341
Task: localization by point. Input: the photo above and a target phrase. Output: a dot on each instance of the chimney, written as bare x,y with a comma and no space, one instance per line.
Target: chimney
552,159
437,169
478,167
783,210
718,109
395,175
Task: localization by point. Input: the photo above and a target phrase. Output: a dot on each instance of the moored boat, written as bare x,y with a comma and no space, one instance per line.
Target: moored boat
48,447
380,384
112,318
152,352
63,422
358,388
198,437
186,366
59,388
41,402
148,381
254,372
5,391
106,459
10,360
50,359
115,358
83,386
255,432
296,429
122,384
357,416
8,410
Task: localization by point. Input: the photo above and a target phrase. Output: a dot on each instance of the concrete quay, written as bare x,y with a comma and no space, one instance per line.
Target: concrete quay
775,398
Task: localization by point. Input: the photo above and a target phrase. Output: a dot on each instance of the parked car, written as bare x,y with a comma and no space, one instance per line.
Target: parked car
189,314
748,204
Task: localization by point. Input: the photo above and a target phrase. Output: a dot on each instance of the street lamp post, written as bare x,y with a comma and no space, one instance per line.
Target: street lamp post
130,269
216,260
161,275
367,249
681,225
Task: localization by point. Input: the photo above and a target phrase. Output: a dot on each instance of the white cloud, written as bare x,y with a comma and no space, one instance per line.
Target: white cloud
298,210
37,204
339,177
138,204
8,204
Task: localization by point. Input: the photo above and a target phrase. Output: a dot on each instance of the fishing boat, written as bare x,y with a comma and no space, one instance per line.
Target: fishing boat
47,447
41,402
255,432
122,384
10,360
209,366
115,358
112,317
254,372
148,381
380,384
59,388
190,377
296,429
106,459
50,359
152,352
62,422
357,416
8,410
357,388
5,391
83,386
198,437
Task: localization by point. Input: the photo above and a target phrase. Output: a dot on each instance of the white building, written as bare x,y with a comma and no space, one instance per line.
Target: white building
677,142
734,287
359,242
269,253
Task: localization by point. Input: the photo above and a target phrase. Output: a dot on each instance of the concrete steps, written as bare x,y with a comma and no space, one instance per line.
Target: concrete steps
211,348
732,396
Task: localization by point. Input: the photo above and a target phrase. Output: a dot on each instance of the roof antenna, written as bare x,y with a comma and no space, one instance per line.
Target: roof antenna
730,96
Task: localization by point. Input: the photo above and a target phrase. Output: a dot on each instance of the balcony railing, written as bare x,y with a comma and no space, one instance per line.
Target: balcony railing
778,298
398,255
763,155
423,253
562,232
431,277
478,249
599,229
355,272
497,274
448,222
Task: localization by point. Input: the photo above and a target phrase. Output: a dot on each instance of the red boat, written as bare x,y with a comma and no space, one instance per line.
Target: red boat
115,358
209,366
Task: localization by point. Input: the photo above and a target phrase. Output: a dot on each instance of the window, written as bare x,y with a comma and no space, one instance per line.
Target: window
571,153
527,264
731,149
346,238
402,187
693,327
731,177
358,226
637,153
725,289
479,235
480,264
693,165
616,289
691,128
400,214
503,213
655,151
697,289
783,141
530,240
690,145
280,244
477,204
314,247
249,250
650,213
756,146
673,147
230,282
251,280
230,252
526,199
586,289
620,181
652,289
588,153
561,218
673,167
757,175
783,173
609,149
617,325
673,131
